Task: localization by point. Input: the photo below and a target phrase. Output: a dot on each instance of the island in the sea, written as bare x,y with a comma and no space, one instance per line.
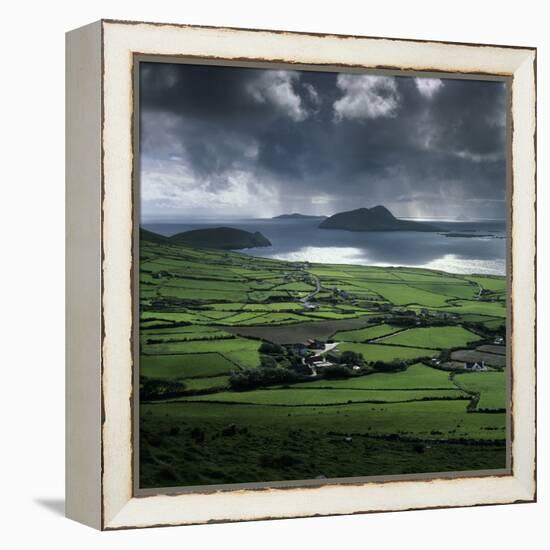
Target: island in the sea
221,238
468,235
297,216
378,218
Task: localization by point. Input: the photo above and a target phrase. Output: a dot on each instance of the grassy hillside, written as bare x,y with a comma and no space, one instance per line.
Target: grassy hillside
206,320
225,238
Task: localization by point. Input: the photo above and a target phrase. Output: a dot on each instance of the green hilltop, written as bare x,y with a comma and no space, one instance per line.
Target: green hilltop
378,218
221,238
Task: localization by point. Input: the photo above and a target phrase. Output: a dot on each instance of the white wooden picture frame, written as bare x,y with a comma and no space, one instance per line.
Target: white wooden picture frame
100,308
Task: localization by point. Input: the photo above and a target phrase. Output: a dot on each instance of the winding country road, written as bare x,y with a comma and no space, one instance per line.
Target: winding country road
317,288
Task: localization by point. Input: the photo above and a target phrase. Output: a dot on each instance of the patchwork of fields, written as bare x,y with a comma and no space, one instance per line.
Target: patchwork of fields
204,316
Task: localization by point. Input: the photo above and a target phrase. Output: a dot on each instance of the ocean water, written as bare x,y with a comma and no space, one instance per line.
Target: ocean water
302,240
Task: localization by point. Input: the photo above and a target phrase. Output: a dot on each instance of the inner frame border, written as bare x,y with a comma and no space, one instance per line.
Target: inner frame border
137,59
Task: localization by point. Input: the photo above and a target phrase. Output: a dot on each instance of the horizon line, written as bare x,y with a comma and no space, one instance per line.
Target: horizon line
246,218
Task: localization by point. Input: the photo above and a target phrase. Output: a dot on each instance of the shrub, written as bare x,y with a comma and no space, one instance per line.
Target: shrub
300,368
337,371
391,366
229,431
352,358
155,440
295,360
283,460
250,379
402,321
198,435
283,361
154,388
271,349
266,361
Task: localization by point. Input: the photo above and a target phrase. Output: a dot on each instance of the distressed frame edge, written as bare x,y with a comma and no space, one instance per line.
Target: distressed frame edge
524,264
83,323
523,491
114,21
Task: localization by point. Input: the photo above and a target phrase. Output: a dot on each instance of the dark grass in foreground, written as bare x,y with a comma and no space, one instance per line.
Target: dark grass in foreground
175,453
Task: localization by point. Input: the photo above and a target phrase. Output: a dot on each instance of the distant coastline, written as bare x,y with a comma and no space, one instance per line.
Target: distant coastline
296,216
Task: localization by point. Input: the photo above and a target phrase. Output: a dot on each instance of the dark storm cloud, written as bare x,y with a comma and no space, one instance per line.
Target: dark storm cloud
236,141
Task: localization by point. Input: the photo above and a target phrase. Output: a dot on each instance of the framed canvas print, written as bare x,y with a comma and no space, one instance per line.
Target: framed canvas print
300,274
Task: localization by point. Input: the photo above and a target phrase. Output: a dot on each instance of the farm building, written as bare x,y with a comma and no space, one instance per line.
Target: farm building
320,352
339,292
475,366
313,344
322,363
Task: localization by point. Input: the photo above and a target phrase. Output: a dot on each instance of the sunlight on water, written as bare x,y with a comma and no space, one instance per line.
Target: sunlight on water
454,264
324,255
451,263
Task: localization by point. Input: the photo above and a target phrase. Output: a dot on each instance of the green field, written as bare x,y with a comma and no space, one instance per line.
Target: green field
401,294
432,337
240,351
212,382
204,315
362,335
490,385
314,396
185,365
496,284
381,352
417,419
495,309
415,377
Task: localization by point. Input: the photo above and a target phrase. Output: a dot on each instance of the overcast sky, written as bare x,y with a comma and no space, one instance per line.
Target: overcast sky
220,142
